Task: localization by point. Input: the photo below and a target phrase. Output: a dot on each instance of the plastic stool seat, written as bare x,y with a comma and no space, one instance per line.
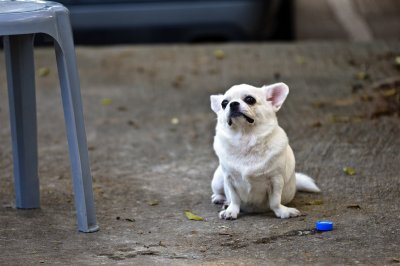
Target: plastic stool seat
18,7
19,22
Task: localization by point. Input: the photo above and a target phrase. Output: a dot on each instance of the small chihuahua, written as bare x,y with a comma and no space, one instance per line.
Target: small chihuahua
256,164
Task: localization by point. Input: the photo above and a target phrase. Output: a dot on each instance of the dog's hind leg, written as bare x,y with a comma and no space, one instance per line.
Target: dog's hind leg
275,200
217,186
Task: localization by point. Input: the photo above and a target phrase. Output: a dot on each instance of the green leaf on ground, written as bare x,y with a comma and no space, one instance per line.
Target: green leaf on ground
349,170
219,54
315,202
43,71
192,216
300,60
106,101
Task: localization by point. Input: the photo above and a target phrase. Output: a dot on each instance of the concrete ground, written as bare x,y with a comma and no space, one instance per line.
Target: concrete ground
150,130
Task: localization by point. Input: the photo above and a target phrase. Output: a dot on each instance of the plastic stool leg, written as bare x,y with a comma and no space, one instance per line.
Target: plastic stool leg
71,97
21,90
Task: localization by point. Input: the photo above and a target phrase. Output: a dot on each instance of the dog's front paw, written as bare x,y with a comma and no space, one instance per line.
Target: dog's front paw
218,199
284,212
231,213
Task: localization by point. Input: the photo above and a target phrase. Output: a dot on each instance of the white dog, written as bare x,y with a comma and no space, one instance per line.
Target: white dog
256,164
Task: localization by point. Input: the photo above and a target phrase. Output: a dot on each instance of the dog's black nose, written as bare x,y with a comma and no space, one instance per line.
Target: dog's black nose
234,105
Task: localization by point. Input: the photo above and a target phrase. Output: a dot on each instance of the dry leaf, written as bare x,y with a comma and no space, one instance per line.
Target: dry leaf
356,87
318,104
389,92
366,98
316,124
153,202
345,102
362,75
394,260
122,108
133,124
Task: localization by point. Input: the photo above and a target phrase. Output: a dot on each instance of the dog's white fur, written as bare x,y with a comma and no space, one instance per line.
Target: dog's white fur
256,164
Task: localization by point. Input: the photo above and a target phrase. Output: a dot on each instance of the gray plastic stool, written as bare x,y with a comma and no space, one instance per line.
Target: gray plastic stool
19,21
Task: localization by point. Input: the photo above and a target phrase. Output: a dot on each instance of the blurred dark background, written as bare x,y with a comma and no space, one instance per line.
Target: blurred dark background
198,21
179,21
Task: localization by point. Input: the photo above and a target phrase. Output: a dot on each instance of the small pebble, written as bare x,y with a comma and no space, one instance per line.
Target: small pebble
175,121
397,60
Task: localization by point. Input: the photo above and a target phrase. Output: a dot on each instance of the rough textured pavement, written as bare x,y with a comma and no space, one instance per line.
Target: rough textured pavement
150,133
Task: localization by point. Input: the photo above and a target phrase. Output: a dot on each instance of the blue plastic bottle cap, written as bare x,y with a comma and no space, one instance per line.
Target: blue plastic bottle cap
324,225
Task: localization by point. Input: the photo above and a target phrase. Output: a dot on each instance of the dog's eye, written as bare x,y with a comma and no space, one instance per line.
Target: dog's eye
224,104
250,100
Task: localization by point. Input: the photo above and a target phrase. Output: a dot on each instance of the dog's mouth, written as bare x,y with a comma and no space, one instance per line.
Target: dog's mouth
238,114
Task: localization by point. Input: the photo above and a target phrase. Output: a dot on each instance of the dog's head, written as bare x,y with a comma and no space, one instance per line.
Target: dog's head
244,106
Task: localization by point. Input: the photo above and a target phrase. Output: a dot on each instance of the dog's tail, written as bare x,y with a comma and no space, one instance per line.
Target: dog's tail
306,183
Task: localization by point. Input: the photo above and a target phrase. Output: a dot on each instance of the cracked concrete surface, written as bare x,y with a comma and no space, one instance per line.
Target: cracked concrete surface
150,145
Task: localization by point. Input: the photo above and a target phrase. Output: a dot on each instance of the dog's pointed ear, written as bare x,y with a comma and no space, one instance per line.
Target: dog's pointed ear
276,94
216,102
